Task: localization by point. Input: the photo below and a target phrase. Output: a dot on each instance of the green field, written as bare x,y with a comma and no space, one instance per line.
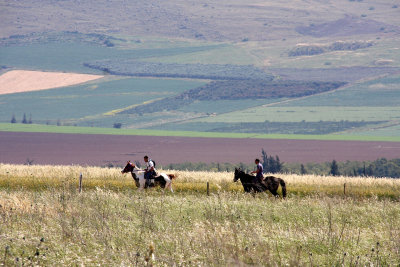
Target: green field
308,113
98,104
378,92
90,103
66,56
9,127
375,100
385,51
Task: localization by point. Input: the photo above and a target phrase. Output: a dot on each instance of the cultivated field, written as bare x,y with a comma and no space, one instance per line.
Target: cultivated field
299,42
18,81
116,149
45,221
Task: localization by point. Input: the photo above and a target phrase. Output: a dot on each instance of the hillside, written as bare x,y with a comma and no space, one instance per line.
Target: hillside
186,65
236,20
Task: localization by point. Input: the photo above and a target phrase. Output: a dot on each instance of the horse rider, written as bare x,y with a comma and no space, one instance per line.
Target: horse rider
259,172
150,171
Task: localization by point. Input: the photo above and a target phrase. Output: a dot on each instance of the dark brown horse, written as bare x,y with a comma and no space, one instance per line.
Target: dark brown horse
250,184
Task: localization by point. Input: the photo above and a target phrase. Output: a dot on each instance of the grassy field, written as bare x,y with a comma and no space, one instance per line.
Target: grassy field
308,113
97,104
10,127
67,56
385,50
45,221
374,100
83,104
208,33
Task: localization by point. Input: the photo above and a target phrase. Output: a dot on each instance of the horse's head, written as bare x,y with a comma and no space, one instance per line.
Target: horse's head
128,168
238,173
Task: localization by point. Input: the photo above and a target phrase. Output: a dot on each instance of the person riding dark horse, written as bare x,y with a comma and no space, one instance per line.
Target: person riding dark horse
270,183
259,172
150,171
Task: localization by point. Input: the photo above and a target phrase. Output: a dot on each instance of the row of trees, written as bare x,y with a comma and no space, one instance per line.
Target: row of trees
302,127
238,90
271,164
379,168
173,70
310,50
25,120
257,89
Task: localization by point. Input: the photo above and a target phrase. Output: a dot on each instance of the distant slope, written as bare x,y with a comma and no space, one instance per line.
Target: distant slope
347,26
223,20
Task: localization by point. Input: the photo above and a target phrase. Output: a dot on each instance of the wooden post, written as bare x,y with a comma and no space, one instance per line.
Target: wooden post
80,183
208,188
344,189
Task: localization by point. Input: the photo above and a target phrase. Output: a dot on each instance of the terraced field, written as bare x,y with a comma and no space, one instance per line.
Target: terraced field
352,42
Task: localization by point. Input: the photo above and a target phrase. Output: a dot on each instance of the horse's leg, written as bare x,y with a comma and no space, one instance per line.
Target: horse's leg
273,188
273,191
142,183
170,186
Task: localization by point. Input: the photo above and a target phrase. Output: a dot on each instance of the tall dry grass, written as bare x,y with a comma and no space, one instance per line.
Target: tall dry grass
45,221
104,227
40,177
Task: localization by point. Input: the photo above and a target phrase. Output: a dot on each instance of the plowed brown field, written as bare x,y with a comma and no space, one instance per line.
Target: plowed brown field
81,149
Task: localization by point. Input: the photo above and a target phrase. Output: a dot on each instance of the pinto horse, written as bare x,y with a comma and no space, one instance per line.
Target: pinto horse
163,180
250,184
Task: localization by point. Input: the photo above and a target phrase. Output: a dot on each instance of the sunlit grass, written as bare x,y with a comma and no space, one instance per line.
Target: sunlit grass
42,177
107,227
45,221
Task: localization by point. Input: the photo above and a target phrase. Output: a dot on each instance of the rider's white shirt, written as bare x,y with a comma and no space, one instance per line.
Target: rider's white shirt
149,165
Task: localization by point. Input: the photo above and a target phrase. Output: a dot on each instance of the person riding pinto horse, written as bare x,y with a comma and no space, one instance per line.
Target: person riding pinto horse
150,171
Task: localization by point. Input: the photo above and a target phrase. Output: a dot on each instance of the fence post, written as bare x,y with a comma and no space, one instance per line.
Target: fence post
344,188
80,183
208,188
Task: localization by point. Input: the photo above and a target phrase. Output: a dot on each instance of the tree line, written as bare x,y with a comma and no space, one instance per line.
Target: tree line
134,67
381,167
24,120
310,50
237,90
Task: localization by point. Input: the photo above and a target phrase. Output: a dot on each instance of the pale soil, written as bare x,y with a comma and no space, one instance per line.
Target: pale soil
17,81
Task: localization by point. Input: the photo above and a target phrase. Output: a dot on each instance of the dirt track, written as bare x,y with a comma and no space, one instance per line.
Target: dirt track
100,150
17,81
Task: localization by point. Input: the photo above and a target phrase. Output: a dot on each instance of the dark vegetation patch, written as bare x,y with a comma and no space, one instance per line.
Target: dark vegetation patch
256,89
347,26
348,74
303,127
267,127
236,90
173,70
65,36
310,50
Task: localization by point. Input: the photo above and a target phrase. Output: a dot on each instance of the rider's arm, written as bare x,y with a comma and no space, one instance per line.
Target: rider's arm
256,171
150,167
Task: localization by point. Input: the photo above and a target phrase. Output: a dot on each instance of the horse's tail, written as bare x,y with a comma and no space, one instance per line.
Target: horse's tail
283,185
172,176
